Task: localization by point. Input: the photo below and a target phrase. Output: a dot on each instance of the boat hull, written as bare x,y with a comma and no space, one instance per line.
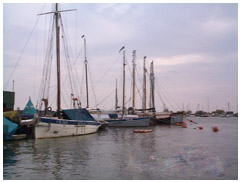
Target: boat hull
128,122
53,128
176,119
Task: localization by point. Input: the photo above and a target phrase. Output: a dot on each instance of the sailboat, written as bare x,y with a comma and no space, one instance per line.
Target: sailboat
156,117
70,122
124,120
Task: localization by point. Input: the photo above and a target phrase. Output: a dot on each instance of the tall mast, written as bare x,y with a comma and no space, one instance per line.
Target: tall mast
152,101
116,97
134,67
144,85
58,62
124,64
85,53
57,16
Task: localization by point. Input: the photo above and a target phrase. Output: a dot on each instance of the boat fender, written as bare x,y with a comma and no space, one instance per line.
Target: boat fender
215,129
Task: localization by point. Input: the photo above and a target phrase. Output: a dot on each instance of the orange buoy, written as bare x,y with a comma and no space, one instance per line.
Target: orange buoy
200,127
215,129
183,123
142,131
184,126
177,124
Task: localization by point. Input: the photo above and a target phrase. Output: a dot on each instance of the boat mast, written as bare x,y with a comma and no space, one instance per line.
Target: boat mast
85,53
144,85
116,97
134,67
58,62
152,99
124,64
57,17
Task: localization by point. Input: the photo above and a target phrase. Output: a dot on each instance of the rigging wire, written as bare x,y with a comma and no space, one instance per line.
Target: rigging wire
64,36
108,96
105,73
20,56
47,65
169,97
93,90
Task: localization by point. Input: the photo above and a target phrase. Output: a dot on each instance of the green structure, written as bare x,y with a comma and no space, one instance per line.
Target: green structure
8,100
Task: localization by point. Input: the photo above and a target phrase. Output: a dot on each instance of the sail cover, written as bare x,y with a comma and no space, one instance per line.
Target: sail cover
9,128
78,114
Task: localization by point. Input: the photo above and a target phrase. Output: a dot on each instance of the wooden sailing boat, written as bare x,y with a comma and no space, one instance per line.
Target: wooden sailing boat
156,117
69,122
124,120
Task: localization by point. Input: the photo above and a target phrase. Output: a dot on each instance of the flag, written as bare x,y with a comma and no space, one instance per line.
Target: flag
121,49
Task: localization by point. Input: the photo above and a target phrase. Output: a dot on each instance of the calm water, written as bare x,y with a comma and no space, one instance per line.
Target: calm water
169,152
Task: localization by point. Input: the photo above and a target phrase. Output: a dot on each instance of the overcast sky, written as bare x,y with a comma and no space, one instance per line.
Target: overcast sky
194,48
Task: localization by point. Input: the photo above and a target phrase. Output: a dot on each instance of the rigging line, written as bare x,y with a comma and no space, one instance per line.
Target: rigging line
139,82
76,30
48,60
169,96
131,80
63,98
78,56
67,55
108,96
82,84
76,75
109,68
46,63
128,101
90,74
169,103
69,65
19,58
35,61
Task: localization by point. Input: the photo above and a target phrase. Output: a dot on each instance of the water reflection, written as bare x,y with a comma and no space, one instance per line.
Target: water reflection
165,153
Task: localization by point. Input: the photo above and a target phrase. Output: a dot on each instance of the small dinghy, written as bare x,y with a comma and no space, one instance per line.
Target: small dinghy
142,131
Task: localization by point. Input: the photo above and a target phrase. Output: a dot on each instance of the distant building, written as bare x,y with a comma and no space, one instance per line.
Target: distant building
8,100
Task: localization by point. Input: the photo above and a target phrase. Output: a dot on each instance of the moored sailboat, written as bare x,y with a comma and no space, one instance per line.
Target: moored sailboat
125,120
66,122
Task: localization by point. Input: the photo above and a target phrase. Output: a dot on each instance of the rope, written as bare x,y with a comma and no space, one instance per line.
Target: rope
95,97
19,58
108,96
108,69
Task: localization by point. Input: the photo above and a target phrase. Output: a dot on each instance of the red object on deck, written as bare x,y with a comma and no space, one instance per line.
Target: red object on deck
142,131
215,129
191,120
184,126
183,123
177,124
200,127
